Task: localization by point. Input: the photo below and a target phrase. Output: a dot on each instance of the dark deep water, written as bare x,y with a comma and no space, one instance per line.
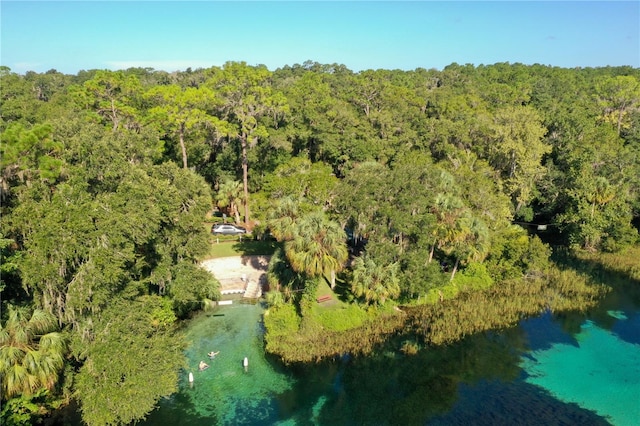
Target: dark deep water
572,369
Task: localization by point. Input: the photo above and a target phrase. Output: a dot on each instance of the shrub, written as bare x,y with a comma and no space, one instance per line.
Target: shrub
474,277
281,321
409,347
341,319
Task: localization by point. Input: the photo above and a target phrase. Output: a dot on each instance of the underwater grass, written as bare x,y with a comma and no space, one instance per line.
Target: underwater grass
325,333
503,305
625,262
314,342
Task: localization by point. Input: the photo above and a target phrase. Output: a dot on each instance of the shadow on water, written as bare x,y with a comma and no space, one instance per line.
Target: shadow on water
621,303
493,378
621,279
476,381
495,403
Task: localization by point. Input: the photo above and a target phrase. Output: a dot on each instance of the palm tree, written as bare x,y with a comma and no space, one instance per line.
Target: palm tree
471,242
447,209
282,219
31,352
281,276
602,193
229,196
318,247
375,283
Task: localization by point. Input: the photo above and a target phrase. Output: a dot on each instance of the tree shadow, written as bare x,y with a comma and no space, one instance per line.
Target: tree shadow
622,298
256,247
601,273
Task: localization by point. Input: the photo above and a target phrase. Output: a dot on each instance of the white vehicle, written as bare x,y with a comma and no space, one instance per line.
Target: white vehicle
227,229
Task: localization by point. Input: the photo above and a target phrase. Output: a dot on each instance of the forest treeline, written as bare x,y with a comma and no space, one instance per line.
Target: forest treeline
391,186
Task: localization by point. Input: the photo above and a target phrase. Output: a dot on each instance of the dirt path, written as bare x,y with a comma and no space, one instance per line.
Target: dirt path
233,272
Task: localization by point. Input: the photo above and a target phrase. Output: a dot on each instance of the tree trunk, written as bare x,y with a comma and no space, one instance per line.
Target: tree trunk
333,279
245,174
114,115
183,148
236,212
433,248
455,268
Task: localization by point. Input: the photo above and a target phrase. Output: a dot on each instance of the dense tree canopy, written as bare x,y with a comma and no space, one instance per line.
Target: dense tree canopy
399,186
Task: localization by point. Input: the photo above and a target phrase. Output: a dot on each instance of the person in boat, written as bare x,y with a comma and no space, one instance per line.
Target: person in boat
203,366
212,354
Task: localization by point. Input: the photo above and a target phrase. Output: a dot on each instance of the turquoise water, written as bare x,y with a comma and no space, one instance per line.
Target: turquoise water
581,369
226,392
600,372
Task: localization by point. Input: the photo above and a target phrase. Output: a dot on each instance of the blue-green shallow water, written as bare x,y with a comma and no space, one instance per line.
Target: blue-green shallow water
577,369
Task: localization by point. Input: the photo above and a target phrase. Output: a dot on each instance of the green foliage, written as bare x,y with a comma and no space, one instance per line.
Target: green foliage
182,112
110,98
375,283
161,313
26,410
190,286
301,179
474,277
281,275
281,321
114,389
624,263
618,96
112,241
283,217
481,189
317,248
341,318
516,149
28,154
420,277
313,245
409,347
32,352
229,198
426,169
247,96
9,264
514,254
296,339
502,305
274,299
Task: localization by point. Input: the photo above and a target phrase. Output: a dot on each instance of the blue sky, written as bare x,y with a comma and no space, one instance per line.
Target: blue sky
171,35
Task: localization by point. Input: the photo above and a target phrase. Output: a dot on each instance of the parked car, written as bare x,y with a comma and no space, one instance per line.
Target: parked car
227,229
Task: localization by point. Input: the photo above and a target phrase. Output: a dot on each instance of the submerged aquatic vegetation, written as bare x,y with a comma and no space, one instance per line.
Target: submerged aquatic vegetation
503,305
442,322
626,262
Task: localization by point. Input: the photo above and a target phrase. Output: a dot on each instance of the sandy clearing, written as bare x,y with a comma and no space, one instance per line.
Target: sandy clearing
230,271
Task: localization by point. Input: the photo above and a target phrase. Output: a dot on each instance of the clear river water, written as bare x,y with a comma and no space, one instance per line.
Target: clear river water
570,369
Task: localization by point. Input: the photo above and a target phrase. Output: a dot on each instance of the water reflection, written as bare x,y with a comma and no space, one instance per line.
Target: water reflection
492,378
494,403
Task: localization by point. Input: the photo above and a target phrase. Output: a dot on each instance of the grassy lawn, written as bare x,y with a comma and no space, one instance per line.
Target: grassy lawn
325,290
232,246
